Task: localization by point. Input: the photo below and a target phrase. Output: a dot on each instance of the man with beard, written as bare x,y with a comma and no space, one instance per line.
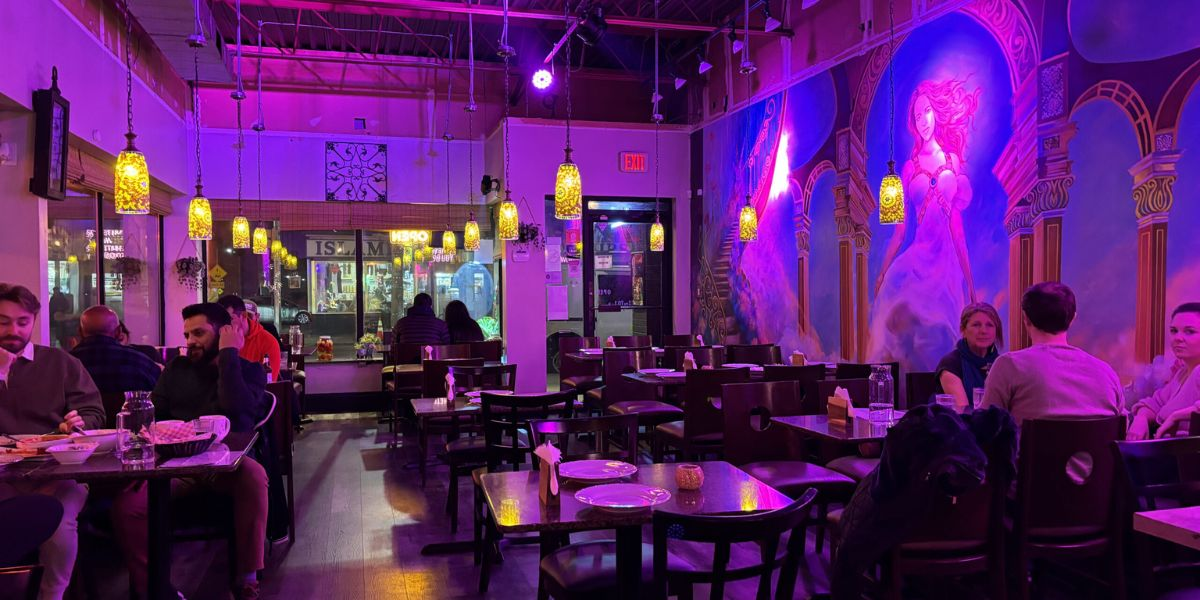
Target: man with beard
44,389
210,380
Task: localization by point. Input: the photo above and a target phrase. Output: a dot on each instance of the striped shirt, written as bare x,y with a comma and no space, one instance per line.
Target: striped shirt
421,327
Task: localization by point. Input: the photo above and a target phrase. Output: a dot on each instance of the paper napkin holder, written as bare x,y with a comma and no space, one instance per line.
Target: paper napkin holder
545,474
798,359
839,409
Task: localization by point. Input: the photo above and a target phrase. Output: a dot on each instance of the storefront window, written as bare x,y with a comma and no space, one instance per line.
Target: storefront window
132,271
71,255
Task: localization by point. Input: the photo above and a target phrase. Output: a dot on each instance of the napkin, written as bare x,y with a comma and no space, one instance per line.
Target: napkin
798,359
699,340
610,343
689,361
841,393
548,472
449,386
838,405
428,352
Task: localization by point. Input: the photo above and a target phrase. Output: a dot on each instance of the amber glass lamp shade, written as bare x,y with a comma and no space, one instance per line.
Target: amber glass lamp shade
471,234
277,249
748,223
891,197
241,232
292,263
658,236
568,191
131,188
199,225
260,243
449,242
506,221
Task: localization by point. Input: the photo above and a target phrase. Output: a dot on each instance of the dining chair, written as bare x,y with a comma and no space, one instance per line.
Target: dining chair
754,354
113,403
613,437
705,356
857,389
920,387
281,432
701,431
448,351
433,385
588,569
806,376
853,465
773,453
474,378
433,374
406,353
679,340
632,341
573,374
22,581
1064,497
1159,474
618,362
26,522
490,350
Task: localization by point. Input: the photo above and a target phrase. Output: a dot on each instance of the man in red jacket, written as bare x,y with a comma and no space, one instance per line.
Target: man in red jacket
259,342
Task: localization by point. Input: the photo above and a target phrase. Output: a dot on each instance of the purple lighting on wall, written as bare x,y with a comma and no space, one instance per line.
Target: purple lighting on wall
542,79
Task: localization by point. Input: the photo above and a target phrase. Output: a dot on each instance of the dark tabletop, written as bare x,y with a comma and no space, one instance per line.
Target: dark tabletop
107,467
599,356
651,379
425,408
513,498
856,429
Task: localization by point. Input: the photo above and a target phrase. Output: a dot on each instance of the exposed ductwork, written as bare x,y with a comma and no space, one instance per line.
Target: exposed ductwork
170,22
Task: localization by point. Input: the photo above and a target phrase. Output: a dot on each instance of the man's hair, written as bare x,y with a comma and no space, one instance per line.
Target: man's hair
1187,307
1049,306
215,313
19,294
234,302
423,299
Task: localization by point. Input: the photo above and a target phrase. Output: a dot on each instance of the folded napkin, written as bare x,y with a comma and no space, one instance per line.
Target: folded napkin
838,405
798,359
548,468
450,386
428,352
841,393
610,343
699,340
689,361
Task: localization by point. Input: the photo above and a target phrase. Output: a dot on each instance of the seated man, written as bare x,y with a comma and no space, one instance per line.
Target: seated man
44,389
211,380
1051,378
420,325
259,343
114,367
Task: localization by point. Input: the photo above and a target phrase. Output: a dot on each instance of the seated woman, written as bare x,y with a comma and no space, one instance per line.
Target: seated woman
462,327
964,369
1169,410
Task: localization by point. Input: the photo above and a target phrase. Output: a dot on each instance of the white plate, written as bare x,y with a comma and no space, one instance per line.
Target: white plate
8,459
596,470
21,441
654,371
106,438
673,375
622,496
740,365
477,393
591,350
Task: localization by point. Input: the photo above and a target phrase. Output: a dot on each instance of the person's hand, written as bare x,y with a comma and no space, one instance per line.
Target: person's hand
1139,429
1170,423
70,422
6,362
232,337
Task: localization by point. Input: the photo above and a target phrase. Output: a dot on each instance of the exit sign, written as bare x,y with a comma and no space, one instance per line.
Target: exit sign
633,162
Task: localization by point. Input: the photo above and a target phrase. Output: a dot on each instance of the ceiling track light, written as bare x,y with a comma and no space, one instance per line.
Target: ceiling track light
704,66
770,23
735,44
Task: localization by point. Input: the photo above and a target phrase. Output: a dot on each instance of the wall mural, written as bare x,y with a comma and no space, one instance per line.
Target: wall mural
1069,206
355,172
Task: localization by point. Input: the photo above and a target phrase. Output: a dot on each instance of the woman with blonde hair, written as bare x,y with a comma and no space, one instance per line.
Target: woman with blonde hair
965,368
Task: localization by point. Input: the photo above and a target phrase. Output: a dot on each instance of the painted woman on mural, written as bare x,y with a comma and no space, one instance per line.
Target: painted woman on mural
921,288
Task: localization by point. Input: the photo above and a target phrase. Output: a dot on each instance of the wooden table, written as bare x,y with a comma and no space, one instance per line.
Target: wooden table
599,356
108,468
855,430
512,499
1177,525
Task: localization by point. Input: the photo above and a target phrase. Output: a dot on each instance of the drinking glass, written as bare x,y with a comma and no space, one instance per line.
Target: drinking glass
946,400
976,398
881,398
134,424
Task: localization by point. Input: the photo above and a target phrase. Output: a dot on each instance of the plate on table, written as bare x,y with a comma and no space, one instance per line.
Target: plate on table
673,375
622,496
740,365
596,470
591,350
41,442
654,371
8,459
474,395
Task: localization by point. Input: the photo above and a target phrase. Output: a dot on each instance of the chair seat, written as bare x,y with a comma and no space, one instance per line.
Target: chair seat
649,412
582,383
594,396
467,445
793,477
672,432
924,546
589,569
855,467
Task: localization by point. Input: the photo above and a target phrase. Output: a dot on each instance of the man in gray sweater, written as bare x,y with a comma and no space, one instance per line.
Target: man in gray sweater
1051,378
44,389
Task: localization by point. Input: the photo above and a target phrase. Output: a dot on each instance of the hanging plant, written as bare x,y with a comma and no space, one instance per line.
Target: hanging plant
190,272
530,233
129,269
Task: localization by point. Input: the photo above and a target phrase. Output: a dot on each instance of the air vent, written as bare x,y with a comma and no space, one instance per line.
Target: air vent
360,124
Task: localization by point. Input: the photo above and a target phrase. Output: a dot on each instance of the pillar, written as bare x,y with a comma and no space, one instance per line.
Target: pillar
803,296
846,284
1020,272
862,247
1153,194
1048,203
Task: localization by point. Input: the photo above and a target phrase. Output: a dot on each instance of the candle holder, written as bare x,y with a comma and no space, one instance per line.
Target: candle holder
689,477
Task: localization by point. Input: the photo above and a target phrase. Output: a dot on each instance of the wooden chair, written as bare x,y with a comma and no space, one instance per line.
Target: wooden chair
920,387
620,396
573,374
281,434
613,437
679,340
1159,474
31,520
632,341
433,385
754,354
1065,493
449,351
474,378
807,377
702,429
705,356
491,350
21,582
433,374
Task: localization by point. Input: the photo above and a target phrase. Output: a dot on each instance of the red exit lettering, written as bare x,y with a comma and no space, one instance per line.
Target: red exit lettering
633,162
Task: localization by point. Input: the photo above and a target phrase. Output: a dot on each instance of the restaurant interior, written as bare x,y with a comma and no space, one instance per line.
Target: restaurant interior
599,298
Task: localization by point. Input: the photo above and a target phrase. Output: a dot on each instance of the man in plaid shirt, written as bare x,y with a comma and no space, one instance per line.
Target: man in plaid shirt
114,367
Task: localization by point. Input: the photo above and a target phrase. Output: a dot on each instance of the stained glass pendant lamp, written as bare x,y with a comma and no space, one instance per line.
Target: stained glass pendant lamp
471,234
200,217
568,185
260,241
131,186
449,242
658,235
748,223
241,232
891,188
199,224
747,218
506,218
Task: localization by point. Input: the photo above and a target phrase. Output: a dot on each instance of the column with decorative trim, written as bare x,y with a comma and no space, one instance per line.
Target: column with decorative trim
1153,193
845,232
862,248
803,304
1019,226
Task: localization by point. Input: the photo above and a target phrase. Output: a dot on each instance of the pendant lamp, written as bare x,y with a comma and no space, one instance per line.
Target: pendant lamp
241,226
471,228
131,186
568,185
891,189
747,218
241,232
471,234
199,210
748,223
507,216
260,242
449,243
199,217
658,235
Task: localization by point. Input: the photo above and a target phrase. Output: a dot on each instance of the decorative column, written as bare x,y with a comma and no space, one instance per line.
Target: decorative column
803,295
1153,186
1048,198
1048,203
1019,225
862,247
845,231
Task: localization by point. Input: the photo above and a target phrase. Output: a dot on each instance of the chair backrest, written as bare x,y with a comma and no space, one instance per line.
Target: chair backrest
976,516
113,403
614,437
705,356
702,399
807,376
486,377
859,389
754,354
1065,476
280,425
490,350
449,351
750,435
573,343
433,374
506,419
632,341
21,582
722,531
271,409
406,353
1161,473
618,362
569,367
920,387
680,339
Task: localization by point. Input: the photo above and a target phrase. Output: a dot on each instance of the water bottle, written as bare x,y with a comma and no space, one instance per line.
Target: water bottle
881,397
134,424
296,339
266,365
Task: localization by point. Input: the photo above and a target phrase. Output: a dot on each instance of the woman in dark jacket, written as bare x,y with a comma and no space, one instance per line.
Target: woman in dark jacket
965,368
462,327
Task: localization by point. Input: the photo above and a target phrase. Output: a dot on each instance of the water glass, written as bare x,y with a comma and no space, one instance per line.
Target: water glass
976,398
881,396
135,446
946,400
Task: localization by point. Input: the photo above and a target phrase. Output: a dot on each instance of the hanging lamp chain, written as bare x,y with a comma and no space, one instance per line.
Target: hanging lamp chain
566,15
656,117
258,125
446,136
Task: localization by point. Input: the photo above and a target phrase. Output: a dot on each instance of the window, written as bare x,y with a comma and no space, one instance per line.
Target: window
71,260
132,273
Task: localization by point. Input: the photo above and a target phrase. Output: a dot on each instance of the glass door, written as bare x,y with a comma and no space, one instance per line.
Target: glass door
627,287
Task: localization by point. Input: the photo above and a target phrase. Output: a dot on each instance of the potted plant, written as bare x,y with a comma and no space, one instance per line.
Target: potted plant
530,234
367,345
128,268
190,272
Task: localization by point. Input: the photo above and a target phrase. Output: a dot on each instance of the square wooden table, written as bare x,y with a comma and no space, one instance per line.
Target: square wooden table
513,503
853,430
108,468
1178,525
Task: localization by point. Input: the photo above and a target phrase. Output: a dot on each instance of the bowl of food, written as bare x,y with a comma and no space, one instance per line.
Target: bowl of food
73,453
184,447
41,442
106,438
